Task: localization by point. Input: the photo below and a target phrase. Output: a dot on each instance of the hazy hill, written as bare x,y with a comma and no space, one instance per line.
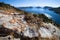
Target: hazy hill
9,9
47,7
57,10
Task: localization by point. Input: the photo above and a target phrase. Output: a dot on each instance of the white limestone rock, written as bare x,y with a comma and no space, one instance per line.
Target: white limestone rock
45,33
30,32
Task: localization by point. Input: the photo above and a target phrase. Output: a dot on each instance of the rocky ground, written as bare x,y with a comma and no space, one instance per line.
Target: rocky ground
20,25
27,27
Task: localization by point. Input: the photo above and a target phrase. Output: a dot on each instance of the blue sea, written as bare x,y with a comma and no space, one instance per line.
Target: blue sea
45,11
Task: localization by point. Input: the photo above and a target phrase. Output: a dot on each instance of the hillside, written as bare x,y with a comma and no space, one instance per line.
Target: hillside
57,10
26,26
9,9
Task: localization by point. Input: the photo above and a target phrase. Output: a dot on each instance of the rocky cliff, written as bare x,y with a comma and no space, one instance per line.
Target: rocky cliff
26,26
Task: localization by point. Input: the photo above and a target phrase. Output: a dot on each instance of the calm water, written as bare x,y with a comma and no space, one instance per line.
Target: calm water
47,12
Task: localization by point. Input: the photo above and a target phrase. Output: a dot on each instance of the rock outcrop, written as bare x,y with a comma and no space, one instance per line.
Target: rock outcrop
27,26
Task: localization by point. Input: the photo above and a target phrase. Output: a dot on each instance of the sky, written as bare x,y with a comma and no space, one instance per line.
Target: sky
34,3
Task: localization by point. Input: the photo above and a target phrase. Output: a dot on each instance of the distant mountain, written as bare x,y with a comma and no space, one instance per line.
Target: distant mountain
47,7
24,7
57,10
30,7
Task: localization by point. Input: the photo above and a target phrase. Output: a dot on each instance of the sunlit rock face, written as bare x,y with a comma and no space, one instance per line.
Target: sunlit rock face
45,33
53,29
4,18
16,22
30,32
